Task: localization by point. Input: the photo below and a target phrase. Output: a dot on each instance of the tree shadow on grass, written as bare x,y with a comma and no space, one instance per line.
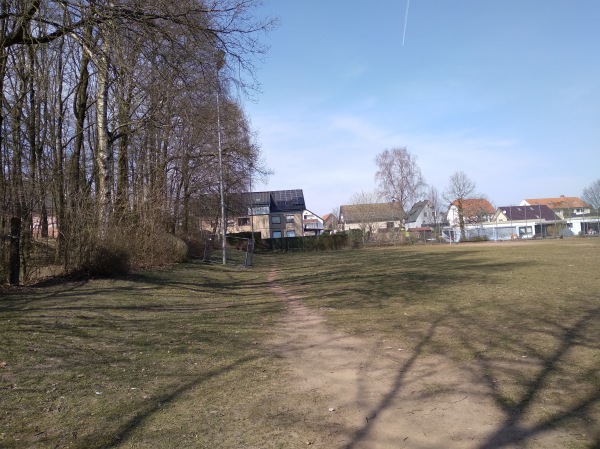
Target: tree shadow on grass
62,343
540,366
519,389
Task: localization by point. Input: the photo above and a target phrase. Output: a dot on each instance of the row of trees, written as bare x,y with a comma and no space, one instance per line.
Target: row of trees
108,118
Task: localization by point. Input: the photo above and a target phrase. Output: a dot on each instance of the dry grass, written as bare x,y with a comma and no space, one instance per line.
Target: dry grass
524,317
167,359
176,358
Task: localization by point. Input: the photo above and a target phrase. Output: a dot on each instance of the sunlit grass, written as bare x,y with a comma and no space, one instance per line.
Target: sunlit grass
180,357
525,318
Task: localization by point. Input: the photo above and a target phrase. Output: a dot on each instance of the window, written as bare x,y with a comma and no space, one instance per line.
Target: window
289,218
390,225
243,221
290,234
276,219
258,210
276,234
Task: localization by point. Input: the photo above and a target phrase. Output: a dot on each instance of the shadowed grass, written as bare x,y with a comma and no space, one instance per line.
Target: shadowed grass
525,318
177,358
162,359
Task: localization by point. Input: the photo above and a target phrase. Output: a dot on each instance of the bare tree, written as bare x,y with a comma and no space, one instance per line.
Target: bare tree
399,178
437,207
107,112
460,188
591,195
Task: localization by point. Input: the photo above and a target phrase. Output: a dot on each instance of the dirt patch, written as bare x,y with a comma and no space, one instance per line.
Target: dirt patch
384,396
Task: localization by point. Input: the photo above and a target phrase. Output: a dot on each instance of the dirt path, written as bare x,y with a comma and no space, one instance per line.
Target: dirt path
385,397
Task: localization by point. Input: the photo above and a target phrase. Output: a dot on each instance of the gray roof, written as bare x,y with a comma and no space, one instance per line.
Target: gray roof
416,210
377,212
276,200
538,212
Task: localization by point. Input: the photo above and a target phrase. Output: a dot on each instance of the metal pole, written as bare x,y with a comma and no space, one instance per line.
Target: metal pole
220,62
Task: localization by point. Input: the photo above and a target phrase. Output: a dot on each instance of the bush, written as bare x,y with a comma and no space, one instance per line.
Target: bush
107,260
480,238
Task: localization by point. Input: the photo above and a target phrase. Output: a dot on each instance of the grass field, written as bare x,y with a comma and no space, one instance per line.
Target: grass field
524,316
179,357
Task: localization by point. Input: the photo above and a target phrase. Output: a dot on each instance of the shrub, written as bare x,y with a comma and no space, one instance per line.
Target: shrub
107,260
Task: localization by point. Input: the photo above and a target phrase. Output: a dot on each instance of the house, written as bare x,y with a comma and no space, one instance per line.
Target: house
513,222
330,222
524,222
371,218
312,224
41,226
420,215
475,210
564,206
273,214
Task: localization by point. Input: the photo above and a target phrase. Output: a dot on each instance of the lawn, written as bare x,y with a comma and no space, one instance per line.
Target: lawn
523,316
180,357
160,359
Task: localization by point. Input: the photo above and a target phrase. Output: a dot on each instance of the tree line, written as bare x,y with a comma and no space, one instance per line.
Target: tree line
108,117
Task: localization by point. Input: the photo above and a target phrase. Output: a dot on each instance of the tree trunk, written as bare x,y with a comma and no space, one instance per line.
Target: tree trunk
15,258
103,153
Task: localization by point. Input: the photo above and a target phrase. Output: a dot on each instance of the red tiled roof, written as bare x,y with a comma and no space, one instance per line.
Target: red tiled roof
475,206
561,202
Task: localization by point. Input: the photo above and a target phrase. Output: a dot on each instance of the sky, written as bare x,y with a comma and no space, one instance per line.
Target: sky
506,91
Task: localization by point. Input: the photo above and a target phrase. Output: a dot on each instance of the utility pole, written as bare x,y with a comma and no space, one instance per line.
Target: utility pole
220,63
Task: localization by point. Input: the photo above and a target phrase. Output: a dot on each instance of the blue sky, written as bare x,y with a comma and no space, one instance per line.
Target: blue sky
506,91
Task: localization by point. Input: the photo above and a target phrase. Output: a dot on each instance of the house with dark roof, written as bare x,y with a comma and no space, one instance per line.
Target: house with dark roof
273,214
420,215
527,222
512,222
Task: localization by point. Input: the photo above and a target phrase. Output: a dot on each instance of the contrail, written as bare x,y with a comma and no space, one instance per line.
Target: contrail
405,22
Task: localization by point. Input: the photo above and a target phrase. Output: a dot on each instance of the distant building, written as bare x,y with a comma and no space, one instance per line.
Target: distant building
330,222
371,218
475,210
564,206
273,214
420,215
312,224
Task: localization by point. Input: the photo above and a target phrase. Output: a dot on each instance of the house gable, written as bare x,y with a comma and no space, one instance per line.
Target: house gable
475,210
421,213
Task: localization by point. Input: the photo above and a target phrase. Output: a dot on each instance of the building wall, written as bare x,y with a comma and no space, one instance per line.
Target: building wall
274,225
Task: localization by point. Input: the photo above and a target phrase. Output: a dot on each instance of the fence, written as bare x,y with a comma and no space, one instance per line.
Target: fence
238,250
